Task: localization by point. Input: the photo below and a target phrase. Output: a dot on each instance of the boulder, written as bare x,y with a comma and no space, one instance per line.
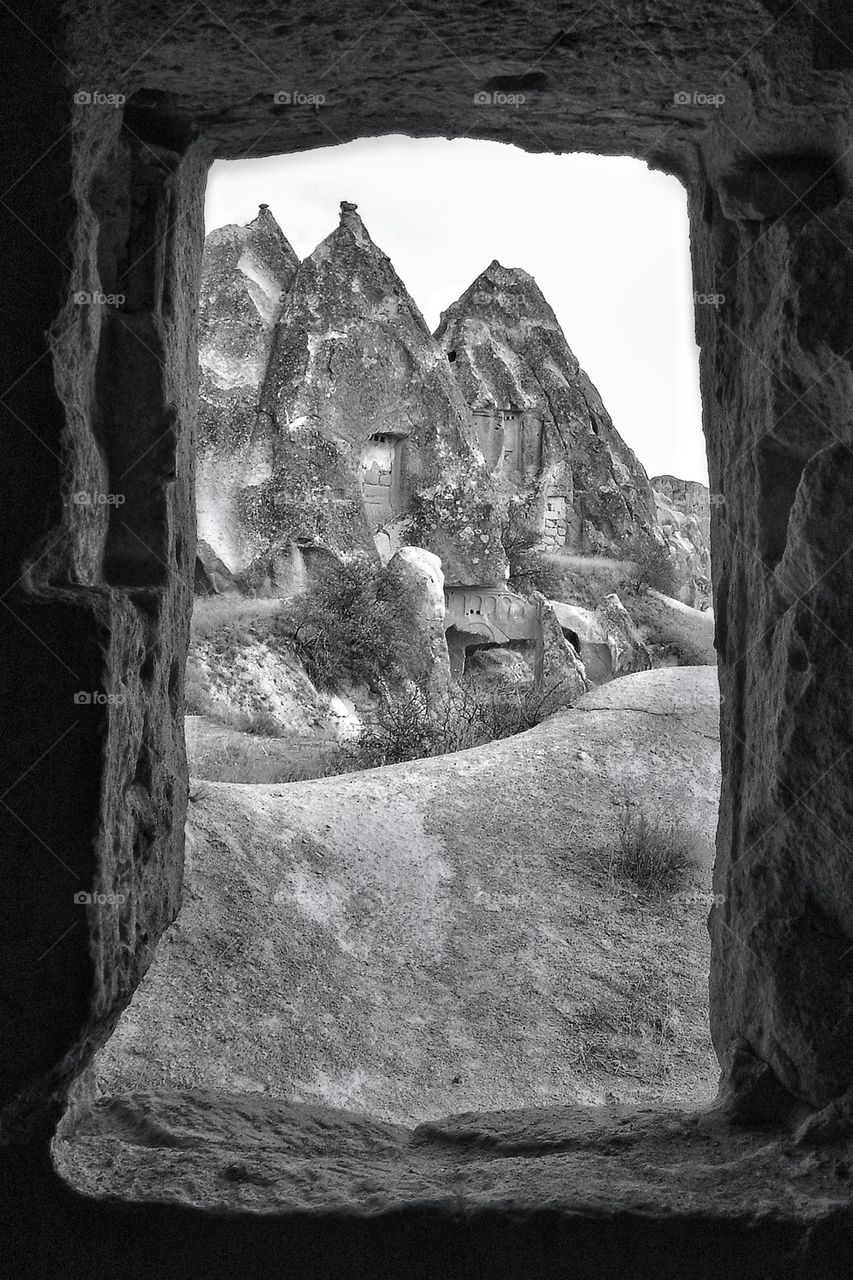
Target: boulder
606,639
558,665
628,650
586,633
416,575
212,576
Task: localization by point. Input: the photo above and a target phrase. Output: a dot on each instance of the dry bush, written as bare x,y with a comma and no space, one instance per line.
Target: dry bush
574,579
412,724
652,852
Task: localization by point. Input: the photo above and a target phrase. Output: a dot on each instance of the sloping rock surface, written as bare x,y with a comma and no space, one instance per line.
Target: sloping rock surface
444,934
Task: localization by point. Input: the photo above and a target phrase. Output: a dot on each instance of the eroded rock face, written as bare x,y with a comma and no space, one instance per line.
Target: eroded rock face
542,427
606,639
353,429
246,272
628,651
684,515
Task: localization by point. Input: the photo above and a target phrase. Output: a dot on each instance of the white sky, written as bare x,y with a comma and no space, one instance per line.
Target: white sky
606,240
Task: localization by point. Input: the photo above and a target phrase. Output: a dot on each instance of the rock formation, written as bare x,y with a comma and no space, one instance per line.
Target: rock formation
542,427
416,574
628,652
361,439
608,642
333,421
684,516
558,663
246,272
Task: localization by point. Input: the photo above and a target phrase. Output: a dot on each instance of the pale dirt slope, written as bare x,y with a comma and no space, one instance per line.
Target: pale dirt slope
441,936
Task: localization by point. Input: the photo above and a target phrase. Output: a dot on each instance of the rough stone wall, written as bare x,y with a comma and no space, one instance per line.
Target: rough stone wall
90,393
776,379
98,590
689,496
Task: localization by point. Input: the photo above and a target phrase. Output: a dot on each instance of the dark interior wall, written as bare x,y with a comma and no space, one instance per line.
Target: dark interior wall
98,398
98,544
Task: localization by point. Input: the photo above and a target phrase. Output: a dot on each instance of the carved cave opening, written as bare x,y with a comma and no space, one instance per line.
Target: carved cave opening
764,165
487,626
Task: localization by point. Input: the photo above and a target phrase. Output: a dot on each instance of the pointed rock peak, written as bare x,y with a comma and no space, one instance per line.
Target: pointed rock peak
350,221
264,218
268,235
500,295
507,277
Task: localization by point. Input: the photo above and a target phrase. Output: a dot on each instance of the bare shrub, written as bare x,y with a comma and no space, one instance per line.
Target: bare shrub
197,699
262,723
652,852
412,724
574,579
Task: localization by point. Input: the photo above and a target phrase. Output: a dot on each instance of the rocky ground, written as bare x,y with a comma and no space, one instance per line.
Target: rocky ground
448,934
262,1155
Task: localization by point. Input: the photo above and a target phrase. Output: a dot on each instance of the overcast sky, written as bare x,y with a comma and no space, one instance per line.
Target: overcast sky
606,239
